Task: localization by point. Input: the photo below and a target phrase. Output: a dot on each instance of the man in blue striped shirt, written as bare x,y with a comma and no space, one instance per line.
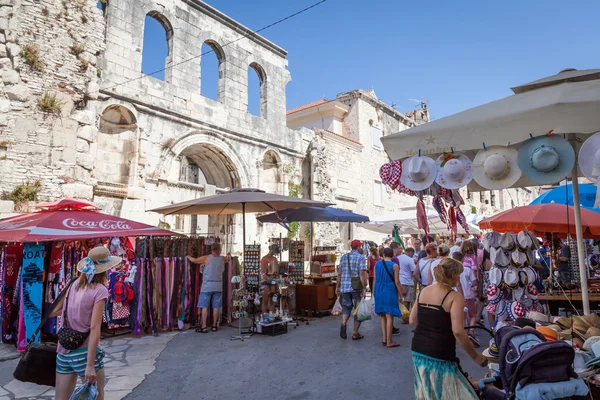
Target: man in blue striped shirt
352,265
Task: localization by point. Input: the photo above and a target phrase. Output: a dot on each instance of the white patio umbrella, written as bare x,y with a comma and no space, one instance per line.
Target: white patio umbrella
408,224
566,103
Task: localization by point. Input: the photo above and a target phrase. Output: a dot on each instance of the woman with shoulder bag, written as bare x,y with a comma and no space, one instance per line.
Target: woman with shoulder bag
388,294
425,264
79,337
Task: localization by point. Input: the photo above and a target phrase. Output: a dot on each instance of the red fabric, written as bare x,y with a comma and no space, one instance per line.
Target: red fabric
56,256
14,259
372,262
422,217
552,217
452,221
47,226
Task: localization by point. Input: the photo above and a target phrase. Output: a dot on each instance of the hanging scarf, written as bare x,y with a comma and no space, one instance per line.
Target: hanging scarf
422,216
452,222
438,205
462,220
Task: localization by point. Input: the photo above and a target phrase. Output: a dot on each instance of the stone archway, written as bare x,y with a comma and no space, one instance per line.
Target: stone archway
206,165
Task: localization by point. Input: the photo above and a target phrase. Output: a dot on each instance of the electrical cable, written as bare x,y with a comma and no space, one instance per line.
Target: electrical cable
142,75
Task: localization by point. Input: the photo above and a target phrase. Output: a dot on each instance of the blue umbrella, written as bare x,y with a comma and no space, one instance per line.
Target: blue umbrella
313,214
560,195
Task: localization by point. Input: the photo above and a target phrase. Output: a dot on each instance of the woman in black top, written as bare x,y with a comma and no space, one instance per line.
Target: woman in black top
438,317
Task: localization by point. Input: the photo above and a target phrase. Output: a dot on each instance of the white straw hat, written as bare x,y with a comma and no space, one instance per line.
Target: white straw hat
454,170
589,158
98,259
418,173
496,167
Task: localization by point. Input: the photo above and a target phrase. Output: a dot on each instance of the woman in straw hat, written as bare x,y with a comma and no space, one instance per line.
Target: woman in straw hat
82,311
438,317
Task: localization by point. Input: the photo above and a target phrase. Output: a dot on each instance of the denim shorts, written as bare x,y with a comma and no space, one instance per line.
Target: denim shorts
349,302
215,299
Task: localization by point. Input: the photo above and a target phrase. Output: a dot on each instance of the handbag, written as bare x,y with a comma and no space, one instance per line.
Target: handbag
68,337
38,362
355,281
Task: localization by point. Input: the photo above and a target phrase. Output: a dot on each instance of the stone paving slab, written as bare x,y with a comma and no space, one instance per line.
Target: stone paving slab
8,352
127,363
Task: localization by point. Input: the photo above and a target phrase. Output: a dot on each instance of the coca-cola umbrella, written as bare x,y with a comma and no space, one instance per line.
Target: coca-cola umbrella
71,224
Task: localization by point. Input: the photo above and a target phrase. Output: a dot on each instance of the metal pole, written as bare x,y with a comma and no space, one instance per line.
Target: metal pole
580,245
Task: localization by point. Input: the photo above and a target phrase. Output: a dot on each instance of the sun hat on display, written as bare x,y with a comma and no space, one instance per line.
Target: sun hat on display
587,345
418,173
494,294
538,317
496,167
491,241
546,159
532,291
97,261
595,347
516,310
589,158
549,333
580,360
499,257
524,241
511,277
496,276
508,242
518,259
502,310
453,170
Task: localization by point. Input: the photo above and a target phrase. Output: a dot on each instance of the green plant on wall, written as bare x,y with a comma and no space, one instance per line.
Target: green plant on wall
24,193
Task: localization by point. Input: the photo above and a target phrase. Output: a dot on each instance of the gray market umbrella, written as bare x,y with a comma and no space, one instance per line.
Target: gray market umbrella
238,201
565,103
313,214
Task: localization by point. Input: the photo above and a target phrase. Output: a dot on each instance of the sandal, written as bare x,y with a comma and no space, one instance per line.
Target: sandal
357,336
202,330
393,344
214,329
383,343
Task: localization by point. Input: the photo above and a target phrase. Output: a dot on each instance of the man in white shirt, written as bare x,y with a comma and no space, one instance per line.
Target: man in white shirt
407,276
456,247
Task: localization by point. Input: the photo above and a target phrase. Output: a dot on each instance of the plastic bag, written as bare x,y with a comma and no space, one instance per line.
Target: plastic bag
373,307
85,391
363,313
337,308
404,311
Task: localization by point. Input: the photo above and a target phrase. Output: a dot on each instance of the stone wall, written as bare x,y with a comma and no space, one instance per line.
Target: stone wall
62,39
121,138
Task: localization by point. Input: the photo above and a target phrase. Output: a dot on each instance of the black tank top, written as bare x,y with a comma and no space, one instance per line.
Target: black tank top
433,336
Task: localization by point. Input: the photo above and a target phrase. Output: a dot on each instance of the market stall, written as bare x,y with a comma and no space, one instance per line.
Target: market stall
317,294
241,201
39,251
527,139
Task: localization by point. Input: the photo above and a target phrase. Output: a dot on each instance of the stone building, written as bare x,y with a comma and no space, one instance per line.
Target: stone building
346,155
80,118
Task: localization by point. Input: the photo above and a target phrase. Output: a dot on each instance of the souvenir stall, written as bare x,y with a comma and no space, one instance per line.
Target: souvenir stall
526,139
39,253
315,293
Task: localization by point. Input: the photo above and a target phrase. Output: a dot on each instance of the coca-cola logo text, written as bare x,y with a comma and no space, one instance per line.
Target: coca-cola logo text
72,223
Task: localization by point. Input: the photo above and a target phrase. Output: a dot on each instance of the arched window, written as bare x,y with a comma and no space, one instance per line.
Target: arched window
257,90
157,51
212,70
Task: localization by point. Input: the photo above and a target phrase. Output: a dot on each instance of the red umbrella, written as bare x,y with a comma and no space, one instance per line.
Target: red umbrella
68,203
70,224
552,217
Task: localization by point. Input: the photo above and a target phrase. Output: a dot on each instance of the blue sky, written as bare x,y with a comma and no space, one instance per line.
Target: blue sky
456,55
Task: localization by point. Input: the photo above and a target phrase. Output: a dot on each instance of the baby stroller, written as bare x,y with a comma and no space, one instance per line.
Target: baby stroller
532,368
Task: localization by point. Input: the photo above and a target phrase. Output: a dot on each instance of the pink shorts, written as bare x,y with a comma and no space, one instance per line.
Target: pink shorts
471,307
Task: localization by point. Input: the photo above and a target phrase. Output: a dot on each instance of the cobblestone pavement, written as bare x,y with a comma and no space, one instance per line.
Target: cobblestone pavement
128,361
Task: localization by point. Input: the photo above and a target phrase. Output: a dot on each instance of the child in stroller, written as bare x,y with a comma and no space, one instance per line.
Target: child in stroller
531,368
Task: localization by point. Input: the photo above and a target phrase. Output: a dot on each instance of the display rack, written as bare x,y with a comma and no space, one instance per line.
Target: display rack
241,299
252,267
322,263
296,272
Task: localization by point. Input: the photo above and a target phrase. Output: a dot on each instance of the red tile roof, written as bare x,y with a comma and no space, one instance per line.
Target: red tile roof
309,105
341,136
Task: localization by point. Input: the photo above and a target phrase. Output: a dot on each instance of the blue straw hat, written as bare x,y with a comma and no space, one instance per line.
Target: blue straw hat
546,159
